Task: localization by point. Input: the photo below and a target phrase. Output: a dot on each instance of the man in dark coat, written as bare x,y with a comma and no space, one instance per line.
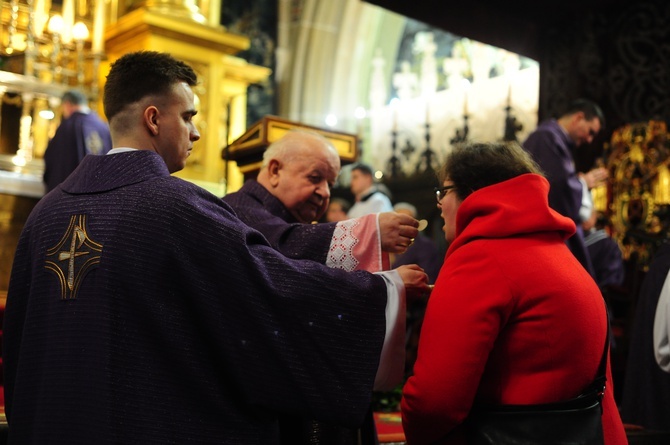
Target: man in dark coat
141,310
80,133
551,145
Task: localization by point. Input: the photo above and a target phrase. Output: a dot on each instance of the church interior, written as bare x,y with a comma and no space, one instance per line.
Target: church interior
395,84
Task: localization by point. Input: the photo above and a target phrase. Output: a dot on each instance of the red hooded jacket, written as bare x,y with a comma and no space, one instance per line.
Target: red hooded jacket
514,318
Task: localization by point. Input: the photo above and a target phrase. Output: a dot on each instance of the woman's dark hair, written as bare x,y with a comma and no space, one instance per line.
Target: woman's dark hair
137,75
476,165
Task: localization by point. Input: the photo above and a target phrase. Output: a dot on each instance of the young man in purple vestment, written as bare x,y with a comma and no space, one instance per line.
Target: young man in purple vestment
141,310
80,133
291,191
552,145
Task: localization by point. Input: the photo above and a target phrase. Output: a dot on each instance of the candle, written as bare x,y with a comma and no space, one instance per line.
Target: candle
41,16
98,27
68,20
465,104
427,111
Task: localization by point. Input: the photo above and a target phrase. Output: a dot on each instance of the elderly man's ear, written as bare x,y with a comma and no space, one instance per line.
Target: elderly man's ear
273,171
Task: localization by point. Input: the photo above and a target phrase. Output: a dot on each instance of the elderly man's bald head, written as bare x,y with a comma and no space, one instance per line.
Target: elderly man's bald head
299,169
296,143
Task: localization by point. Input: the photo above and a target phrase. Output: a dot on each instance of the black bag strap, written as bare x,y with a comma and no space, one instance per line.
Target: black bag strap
598,385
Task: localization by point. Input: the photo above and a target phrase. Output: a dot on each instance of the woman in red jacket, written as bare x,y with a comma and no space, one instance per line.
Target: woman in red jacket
514,318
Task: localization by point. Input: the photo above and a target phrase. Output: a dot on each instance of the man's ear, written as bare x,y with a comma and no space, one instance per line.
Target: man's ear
151,117
273,171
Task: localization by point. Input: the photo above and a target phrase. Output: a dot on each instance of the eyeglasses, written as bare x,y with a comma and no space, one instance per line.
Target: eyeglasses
441,192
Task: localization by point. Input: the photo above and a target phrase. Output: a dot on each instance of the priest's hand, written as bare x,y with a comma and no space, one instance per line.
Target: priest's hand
595,177
415,280
397,231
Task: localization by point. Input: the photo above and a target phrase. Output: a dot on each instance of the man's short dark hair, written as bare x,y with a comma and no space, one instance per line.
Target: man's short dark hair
364,168
74,97
589,108
137,75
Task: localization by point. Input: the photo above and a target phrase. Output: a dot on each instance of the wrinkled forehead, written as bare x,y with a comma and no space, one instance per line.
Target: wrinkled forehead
320,156
329,154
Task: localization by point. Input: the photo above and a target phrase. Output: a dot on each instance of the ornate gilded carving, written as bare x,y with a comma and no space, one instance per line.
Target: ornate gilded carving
639,189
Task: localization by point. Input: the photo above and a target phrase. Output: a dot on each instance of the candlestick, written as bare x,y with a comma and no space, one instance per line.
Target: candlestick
68,21
55,27
80,34
41,17
98,27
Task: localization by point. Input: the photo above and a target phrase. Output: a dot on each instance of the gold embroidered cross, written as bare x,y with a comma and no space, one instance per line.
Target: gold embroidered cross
80,245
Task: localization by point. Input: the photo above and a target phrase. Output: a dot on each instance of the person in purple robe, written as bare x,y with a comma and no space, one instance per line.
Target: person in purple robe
291,191
141,310
80,133
551,145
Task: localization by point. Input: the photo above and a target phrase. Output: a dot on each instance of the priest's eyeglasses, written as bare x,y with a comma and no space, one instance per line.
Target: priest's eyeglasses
441,192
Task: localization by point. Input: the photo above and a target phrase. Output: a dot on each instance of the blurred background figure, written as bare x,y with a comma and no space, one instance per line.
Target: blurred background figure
424,252
80,132
605,252
337,210
369,197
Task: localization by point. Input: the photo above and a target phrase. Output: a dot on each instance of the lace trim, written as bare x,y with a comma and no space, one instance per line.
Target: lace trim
340,255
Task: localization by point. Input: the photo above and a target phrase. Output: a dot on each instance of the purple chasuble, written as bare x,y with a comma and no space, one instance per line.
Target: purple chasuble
264,212
142,310
551,148
258,208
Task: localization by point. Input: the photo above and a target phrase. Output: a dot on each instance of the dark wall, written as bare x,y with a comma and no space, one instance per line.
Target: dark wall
616,57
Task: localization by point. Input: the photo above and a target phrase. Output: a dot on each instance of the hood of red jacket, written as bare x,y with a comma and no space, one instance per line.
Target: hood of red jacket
516,207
